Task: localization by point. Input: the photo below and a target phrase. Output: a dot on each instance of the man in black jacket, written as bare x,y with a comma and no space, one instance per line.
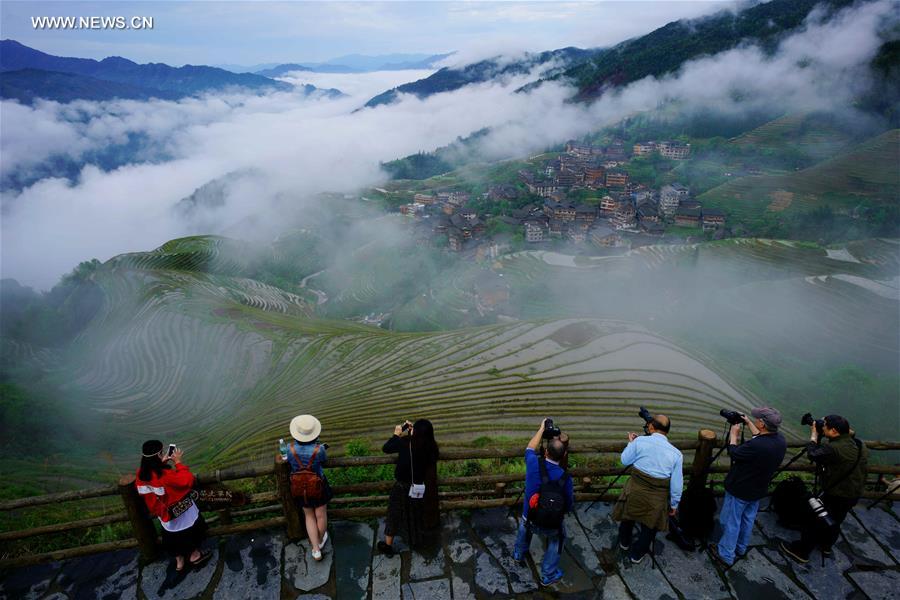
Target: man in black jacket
842,461
753,464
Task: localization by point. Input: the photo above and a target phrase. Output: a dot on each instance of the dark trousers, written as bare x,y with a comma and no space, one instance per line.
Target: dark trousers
644,539
815,533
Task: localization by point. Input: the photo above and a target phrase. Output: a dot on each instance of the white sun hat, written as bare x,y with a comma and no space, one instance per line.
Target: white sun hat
305,428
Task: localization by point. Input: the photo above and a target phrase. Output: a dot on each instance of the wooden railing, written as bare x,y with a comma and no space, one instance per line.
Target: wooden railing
356,500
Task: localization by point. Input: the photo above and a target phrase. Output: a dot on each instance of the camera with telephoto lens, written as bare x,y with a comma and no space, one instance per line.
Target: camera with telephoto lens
732,416
550,430
819,510
808,420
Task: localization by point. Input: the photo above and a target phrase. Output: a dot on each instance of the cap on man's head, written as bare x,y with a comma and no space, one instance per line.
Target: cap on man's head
769,416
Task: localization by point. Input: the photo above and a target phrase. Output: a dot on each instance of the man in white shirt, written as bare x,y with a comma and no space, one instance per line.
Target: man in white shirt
653,490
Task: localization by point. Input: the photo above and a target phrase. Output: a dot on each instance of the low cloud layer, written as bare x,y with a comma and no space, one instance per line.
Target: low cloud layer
299,146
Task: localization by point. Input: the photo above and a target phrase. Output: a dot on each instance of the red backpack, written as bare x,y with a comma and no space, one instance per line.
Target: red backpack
306,483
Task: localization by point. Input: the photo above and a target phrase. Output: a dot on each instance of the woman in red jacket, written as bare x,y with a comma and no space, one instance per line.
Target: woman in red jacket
167,492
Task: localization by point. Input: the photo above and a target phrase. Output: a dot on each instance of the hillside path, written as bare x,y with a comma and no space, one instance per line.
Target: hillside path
472,559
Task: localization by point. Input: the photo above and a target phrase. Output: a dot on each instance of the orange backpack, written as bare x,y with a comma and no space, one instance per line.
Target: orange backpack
306,483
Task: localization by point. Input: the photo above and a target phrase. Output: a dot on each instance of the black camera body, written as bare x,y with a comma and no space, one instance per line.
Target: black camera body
732,416
550,430
647,417
808,420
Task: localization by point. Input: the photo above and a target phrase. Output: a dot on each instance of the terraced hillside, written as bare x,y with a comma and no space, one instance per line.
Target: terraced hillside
221,363
867,171
182,350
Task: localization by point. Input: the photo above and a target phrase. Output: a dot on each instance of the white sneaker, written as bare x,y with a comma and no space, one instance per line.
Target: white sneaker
324,540
317,554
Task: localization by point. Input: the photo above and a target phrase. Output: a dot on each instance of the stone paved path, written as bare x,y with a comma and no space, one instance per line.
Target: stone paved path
473,559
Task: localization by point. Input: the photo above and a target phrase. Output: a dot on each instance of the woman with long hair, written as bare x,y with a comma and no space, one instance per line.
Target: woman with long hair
166,485
412,510
307,455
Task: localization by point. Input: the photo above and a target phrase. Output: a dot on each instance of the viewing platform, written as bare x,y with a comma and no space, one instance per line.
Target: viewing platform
259,551
472,558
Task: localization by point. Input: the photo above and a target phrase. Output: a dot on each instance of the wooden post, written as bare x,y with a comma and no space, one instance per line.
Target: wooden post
295,528
586,483
141,524
702,457
500,488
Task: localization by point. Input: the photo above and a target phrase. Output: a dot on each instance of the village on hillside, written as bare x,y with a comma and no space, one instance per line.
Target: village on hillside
583,197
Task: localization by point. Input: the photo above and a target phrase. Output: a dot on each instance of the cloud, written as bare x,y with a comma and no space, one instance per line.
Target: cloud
296,146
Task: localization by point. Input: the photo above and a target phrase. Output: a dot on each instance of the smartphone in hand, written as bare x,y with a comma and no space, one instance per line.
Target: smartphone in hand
171,451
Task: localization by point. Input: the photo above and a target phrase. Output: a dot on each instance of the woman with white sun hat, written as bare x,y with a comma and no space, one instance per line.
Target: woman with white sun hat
310,488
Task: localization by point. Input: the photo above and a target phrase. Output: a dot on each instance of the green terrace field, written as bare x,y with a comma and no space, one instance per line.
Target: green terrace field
219,362
865,173
813,136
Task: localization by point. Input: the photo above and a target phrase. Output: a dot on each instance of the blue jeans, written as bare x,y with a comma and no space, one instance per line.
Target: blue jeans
554,538
737,517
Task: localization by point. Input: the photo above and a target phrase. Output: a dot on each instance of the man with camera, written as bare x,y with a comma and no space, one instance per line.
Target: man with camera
654,487
841,461
548,497
753,464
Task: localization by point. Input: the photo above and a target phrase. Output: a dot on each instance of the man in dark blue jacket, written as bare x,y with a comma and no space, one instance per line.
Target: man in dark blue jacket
556,452
753,464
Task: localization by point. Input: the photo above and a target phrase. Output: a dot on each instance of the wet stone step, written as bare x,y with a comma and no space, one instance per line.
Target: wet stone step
645,581
602,531
427,590
28,583
110,575
251,567
756,577
490,578
865,549
497,531
878,585
613,588
160,579
461,554
304,572
578,544
884,526
691,573
386,577
353,557
427,562
823,581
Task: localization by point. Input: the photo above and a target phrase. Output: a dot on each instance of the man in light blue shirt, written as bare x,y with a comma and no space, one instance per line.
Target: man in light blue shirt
653,490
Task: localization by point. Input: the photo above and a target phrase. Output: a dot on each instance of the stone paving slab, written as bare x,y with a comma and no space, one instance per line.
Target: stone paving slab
251,567
599,525
881,524
490,578
877,585
386,576
111,575
826,581
352,544
497,531
756,577
427,590
866,550
691,573
473,559
30,583
613,588
645,581
160,579
302,570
